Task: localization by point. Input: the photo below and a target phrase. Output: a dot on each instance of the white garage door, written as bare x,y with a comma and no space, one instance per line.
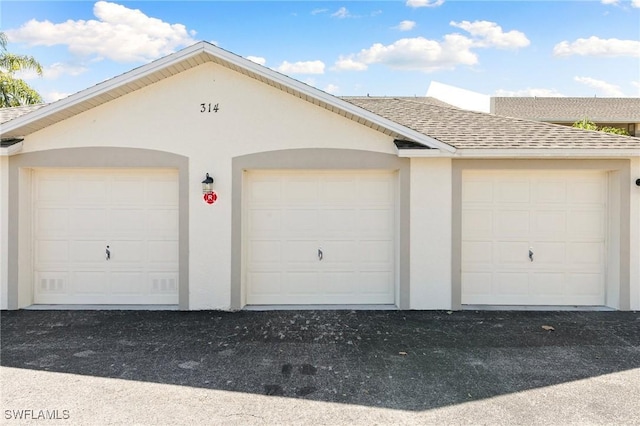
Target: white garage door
320,237
80,214
533,238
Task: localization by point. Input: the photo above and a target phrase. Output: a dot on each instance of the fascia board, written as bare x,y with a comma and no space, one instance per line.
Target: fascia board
11,150
524,153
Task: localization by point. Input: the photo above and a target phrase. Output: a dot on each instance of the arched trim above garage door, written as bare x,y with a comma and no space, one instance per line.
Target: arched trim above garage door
20,235
617,243
322,159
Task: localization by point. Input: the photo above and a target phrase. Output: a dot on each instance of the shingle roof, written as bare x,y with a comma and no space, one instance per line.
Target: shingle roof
475,130
604,110
8,114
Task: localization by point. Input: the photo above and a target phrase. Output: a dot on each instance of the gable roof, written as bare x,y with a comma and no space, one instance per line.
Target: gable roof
465,129
191,57
604,110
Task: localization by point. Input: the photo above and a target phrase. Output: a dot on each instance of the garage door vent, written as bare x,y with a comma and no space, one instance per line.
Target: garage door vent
164,285
51,285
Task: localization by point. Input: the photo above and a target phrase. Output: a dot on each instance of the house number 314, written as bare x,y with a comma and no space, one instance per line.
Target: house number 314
209,107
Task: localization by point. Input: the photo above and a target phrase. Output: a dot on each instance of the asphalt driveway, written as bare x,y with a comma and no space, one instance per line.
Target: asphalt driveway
321,367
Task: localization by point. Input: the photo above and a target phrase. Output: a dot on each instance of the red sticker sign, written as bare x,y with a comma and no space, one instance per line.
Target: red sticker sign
210,197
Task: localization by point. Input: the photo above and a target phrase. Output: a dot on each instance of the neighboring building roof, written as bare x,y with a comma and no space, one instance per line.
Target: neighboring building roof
473,130
191,57
8,114
462,98
603,110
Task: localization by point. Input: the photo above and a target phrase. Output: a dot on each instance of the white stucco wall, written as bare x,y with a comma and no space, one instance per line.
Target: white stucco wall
635,235
4,229
253,117
431,203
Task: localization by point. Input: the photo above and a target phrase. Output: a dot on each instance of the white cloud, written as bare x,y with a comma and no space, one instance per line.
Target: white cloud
610,1
418,54
319,11
349,64
54,96
543,93
405,25
607,89
490,34
341,13
257,59
119,33
595,46
424,3
431,55
635,3
303,67
332,88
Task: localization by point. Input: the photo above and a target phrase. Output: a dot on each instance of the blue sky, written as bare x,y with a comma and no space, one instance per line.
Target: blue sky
381,48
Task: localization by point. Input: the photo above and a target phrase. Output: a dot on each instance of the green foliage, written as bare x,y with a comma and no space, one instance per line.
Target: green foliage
14,91
614,130
587,124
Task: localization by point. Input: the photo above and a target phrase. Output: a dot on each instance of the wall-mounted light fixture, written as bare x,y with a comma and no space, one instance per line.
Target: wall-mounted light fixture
210,196
207,184
638,182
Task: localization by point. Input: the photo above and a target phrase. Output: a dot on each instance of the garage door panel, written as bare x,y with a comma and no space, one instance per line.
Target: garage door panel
587,224
264,283
549,223
375,221
300,251
301,192
477,223
301,283
338,190
549,191
477,191
550,254
548,285
511,283
512,252
511,223
478,253
375,252
512,192
562,220
338,252
338,221
51,251
299,222
476,284
128,221
347,216
84,220
591,191
51,221
87,252
586,255
128,283
265,253
106,207
264,222
89,282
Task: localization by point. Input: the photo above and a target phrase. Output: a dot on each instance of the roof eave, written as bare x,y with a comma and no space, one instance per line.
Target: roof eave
302,90
562,153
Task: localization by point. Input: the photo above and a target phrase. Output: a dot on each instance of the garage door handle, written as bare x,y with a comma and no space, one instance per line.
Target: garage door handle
531,255
108,253
320,254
